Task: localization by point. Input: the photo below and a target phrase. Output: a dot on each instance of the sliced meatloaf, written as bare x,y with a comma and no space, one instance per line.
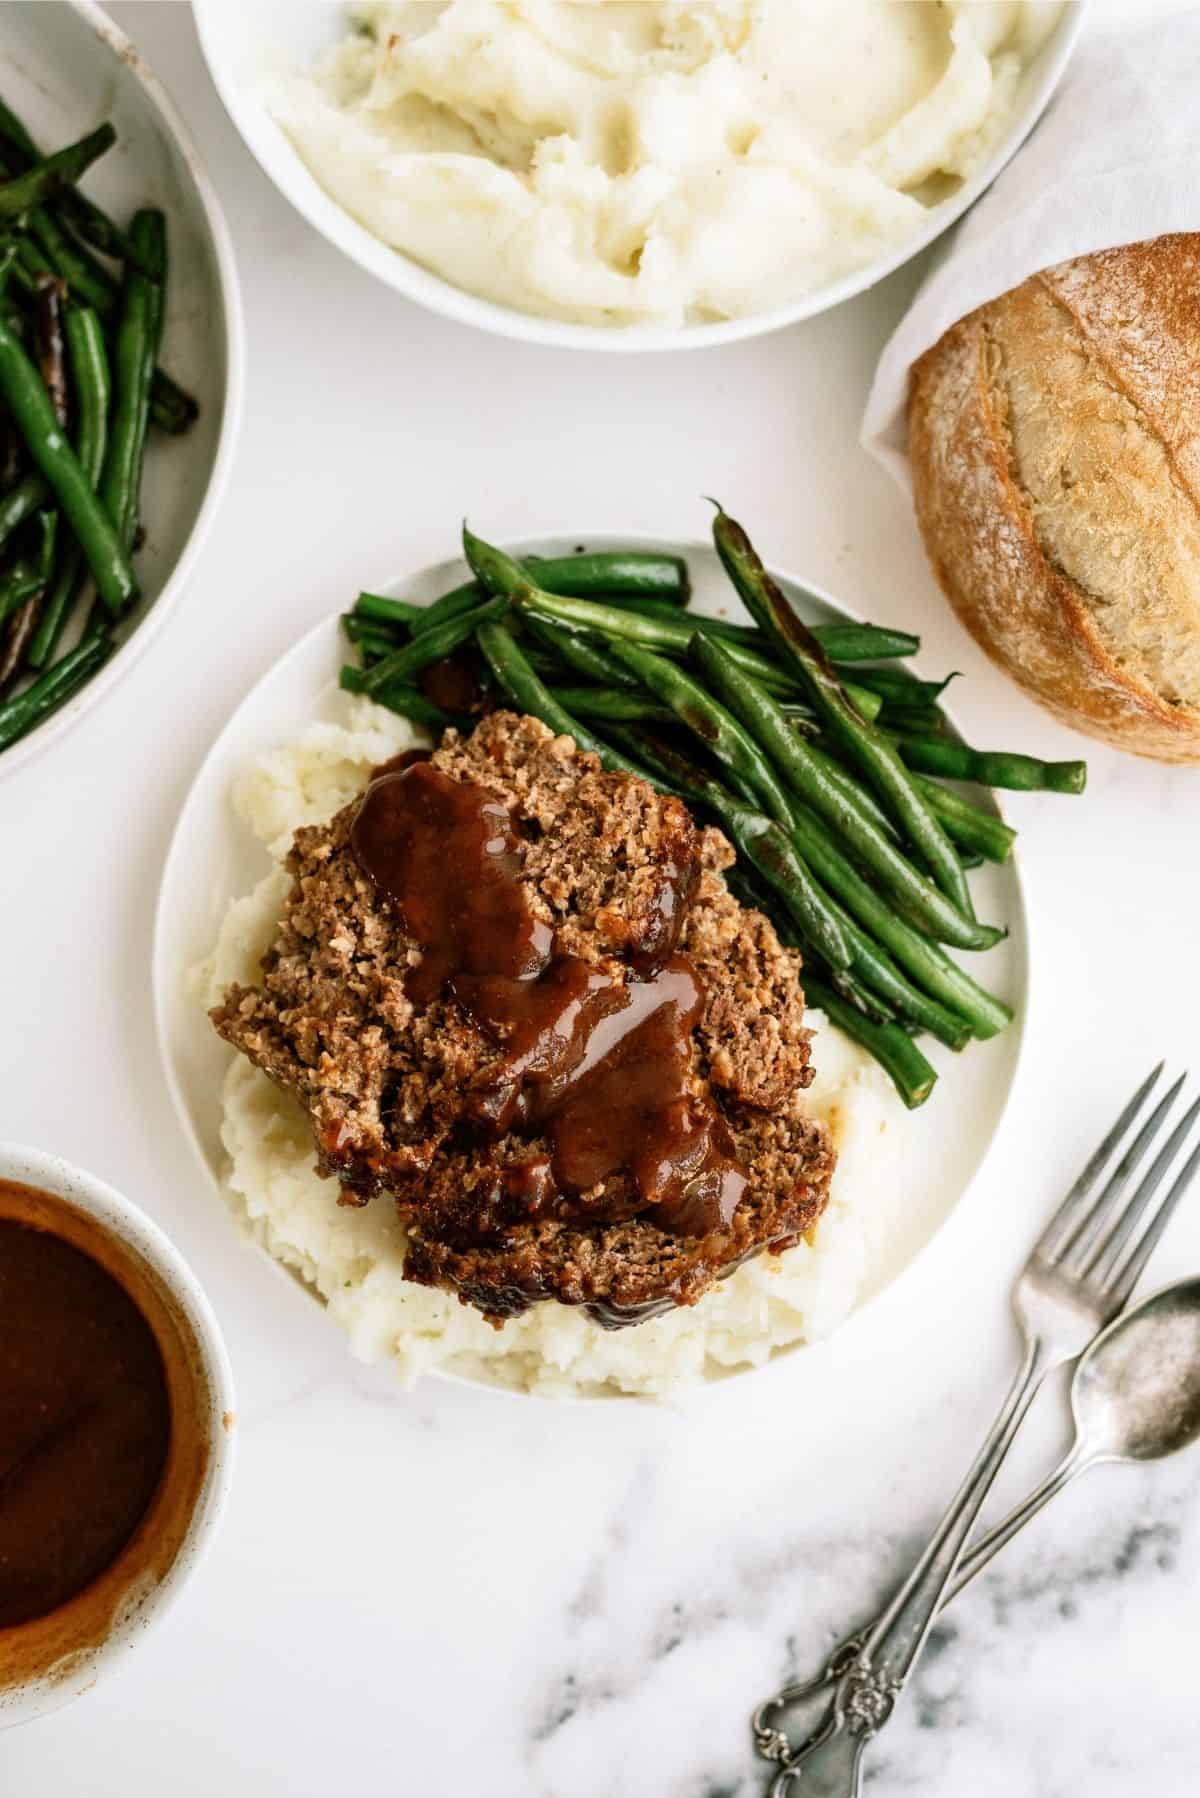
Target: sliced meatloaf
390,1086
627,1271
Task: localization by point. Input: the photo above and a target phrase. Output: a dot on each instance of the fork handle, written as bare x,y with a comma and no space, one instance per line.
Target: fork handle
977,1558
867,1671
895,1641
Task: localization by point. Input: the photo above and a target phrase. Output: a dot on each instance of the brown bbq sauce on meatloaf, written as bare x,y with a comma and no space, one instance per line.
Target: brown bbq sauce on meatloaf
597,1064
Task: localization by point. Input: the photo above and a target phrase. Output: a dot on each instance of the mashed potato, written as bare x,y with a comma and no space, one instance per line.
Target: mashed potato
353,1258
618,162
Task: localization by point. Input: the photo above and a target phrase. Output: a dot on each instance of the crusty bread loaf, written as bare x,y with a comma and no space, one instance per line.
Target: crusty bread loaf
1055,443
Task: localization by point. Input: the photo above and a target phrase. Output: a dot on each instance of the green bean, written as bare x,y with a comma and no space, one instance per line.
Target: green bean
915,720
372,643
136,353
867,704
53,173
841,642
870,750
644,573
601,705
746,634
896,1053
23,621
582,655
950,990
171,408
21,502
811,783
865,642
928,965
408,660
501,574
871,976
89,283
898,687
83,215
620,625
13,132
561,575
514,674
52,689
26,398
880,981
966,825
543,661
21,627
876,969
734,750
23,580
973,832
450,605
852,791
962,833
850,989
357,628
408,702
400,614
91,389
666,636
991,767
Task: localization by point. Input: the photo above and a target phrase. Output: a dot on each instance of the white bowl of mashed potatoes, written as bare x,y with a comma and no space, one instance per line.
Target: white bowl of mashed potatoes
634,174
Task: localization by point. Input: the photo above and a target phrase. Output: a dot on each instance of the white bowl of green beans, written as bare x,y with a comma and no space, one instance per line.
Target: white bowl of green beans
120,365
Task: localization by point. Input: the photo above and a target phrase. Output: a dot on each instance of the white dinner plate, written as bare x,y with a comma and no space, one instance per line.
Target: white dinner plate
214,857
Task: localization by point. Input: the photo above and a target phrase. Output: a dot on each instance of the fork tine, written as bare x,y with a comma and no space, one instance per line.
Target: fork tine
1124,1283
1051,1237
1078,1248
1105,1257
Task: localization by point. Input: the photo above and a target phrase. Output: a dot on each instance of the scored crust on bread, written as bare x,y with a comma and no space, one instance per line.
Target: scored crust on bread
1055,445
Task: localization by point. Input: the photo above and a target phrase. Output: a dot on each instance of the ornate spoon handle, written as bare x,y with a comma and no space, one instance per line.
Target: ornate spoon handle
832,1769
869,1669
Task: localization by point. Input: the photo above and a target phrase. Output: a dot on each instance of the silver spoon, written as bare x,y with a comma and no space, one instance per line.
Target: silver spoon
1135,1397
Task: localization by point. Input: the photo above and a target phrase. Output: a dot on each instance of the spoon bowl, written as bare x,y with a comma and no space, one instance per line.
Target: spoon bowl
1136,1392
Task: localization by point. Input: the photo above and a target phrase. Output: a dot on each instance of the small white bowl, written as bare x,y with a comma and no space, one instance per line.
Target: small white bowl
246,40
196,1482
65,69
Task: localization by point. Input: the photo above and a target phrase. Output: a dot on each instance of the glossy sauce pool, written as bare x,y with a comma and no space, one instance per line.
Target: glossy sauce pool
598,1060
85,1420
105,1435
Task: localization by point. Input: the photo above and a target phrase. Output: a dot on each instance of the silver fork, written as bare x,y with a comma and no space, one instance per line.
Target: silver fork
1080,1274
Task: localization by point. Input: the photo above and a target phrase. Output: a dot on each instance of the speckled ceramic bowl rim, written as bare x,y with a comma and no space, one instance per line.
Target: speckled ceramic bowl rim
131,1227
287,172
139,640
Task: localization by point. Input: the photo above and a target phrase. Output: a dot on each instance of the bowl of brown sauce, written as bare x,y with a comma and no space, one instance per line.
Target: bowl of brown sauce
116,1429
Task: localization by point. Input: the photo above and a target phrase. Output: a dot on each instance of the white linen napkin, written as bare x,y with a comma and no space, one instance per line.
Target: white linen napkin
1115,159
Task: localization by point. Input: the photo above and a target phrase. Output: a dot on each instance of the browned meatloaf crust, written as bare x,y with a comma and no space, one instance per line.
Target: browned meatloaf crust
388,1085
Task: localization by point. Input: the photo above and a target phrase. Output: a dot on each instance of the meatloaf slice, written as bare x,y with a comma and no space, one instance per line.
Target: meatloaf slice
628,1271
384,1081
391,1086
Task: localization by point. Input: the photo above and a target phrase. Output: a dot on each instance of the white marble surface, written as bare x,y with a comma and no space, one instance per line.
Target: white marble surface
453,1591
